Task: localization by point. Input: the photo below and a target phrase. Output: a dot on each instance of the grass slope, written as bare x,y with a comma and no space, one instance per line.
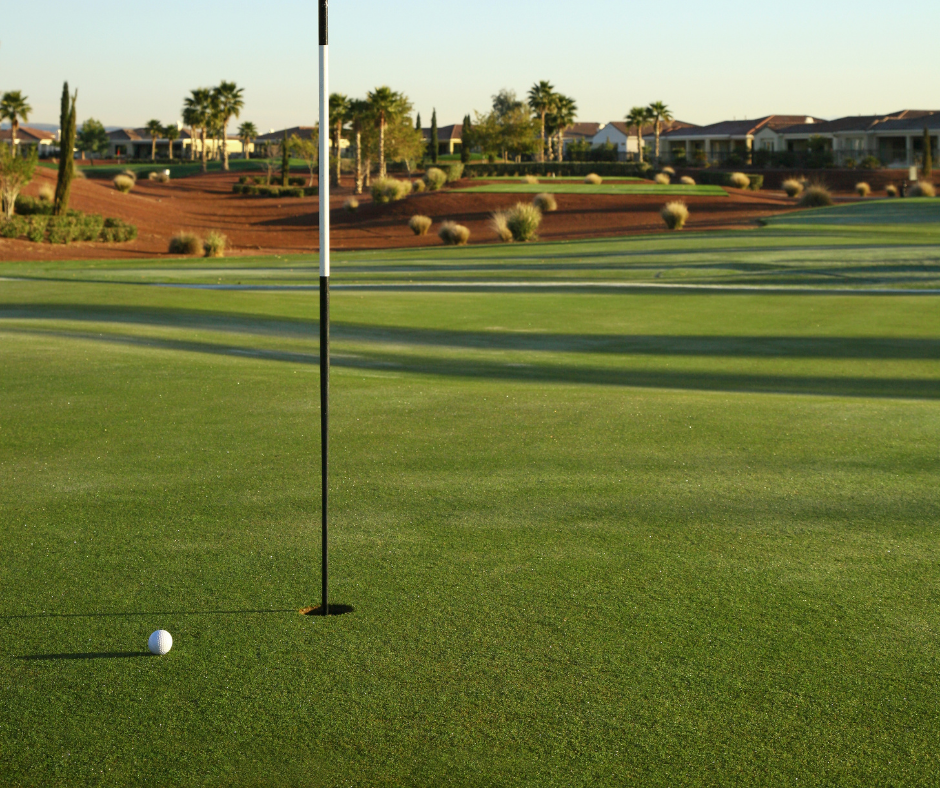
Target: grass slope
519,187
593,538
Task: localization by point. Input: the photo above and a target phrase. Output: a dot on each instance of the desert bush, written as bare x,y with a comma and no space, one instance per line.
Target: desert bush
152,176
891,190
870,163
420,224
662,179
163,177
454,172
351,204
46,193
530,179
435,178
214,245
499,223
545,202
185,243
669,171
815,196
685,180
117,231
675,214
523,221
740,181
453,234
390,190
418,186
132,174
123,183
593,178
862,189
792,187
923,189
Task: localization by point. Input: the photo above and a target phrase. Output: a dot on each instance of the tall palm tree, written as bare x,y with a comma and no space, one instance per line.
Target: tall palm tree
230,100
386,105
339,113
172,133
541,100
197,108
13,107
563,114
155,130
360,116
637,118
661,114
247,133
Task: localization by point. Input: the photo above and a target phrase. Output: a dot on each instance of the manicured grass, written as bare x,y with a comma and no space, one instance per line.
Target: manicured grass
517,186
547,179
183,169
592,537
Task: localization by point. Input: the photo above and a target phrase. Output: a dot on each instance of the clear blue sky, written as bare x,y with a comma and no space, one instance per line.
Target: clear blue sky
707,61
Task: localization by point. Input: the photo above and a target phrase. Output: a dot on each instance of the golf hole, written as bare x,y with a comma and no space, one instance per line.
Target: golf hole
335,610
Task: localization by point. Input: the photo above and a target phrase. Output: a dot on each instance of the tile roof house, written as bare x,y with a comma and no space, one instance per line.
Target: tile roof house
718,141
137,144
45,141
448,137
619,133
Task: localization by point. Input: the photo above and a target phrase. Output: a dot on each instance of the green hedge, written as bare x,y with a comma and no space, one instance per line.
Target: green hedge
261,181
253,190
715,178
73,226
609,169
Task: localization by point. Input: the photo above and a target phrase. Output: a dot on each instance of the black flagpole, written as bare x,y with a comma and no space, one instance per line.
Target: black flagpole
324,291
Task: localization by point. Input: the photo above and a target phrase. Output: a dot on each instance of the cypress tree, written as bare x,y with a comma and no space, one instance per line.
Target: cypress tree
285,162
928,154
465,140
66,145
433,140
418,122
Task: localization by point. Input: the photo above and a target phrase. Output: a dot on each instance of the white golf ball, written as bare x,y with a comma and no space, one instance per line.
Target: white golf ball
160,642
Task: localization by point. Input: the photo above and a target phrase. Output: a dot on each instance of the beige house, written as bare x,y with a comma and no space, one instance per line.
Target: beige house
448,138
137,144
718,142
618,133
46,142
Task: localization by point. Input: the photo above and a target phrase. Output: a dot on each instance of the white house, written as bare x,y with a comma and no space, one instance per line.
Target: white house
618,133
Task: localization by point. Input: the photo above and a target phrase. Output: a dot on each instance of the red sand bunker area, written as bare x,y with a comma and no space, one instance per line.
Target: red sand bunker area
289,225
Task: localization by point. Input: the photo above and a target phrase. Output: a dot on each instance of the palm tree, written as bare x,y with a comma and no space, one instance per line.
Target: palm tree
360,115
197,108
339,113
637,118
229,98
661,114
541,100
247,133
13,107
155,130
172,133
386,104
563,114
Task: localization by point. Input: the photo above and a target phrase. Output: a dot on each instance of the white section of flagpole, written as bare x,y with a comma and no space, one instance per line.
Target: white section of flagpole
324,297
324,161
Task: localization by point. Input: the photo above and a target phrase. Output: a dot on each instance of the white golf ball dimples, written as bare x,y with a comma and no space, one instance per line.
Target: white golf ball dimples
160,642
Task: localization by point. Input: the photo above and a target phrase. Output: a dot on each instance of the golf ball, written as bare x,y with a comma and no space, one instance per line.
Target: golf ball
160,642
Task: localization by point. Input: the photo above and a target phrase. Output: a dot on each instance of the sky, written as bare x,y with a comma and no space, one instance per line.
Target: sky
708,62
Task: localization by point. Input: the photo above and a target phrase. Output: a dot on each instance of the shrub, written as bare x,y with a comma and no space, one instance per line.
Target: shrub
79,174
593,178
185,243
815,196
669,171
891,190
214,245
123,183
420,224
675,215
870,163
792,187
293,191
454,172
530,179
117,231
351,204
862,189
418,186
685,180
391,189
545,203
435,178
132,174
29,206
36,232
46,193
453,234
662,179
152,176
523,221
500,225
923,189
163,177
740,181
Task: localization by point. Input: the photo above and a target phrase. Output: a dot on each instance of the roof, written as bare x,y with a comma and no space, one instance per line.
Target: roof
743,128
914,122
142,135
445,133
27,134
650,128
304,132
906,121
582,130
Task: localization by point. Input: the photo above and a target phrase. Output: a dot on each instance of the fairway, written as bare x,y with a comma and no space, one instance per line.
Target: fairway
520,187
650,511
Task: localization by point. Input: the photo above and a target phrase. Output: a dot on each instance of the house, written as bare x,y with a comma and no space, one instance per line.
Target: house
137,144
303,132
578,133
719,142
623,136
448,138
45,141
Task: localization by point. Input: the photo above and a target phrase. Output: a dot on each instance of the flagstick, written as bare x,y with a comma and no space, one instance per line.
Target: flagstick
324,288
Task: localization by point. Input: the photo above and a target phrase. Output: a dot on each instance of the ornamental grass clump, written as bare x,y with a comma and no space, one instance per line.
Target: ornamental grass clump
891,190
499,223
669,171
185,243
435,178
686,180
594,179
792,187
923,189
523,221
123,183
545,203
351,204
420,224
46,194
453,234
418,186
662,179
862,189
214,245
815,196
386,190
740,181
675,215
530,179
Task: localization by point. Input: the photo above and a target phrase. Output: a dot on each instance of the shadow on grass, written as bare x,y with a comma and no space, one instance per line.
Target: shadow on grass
89,655
147,613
